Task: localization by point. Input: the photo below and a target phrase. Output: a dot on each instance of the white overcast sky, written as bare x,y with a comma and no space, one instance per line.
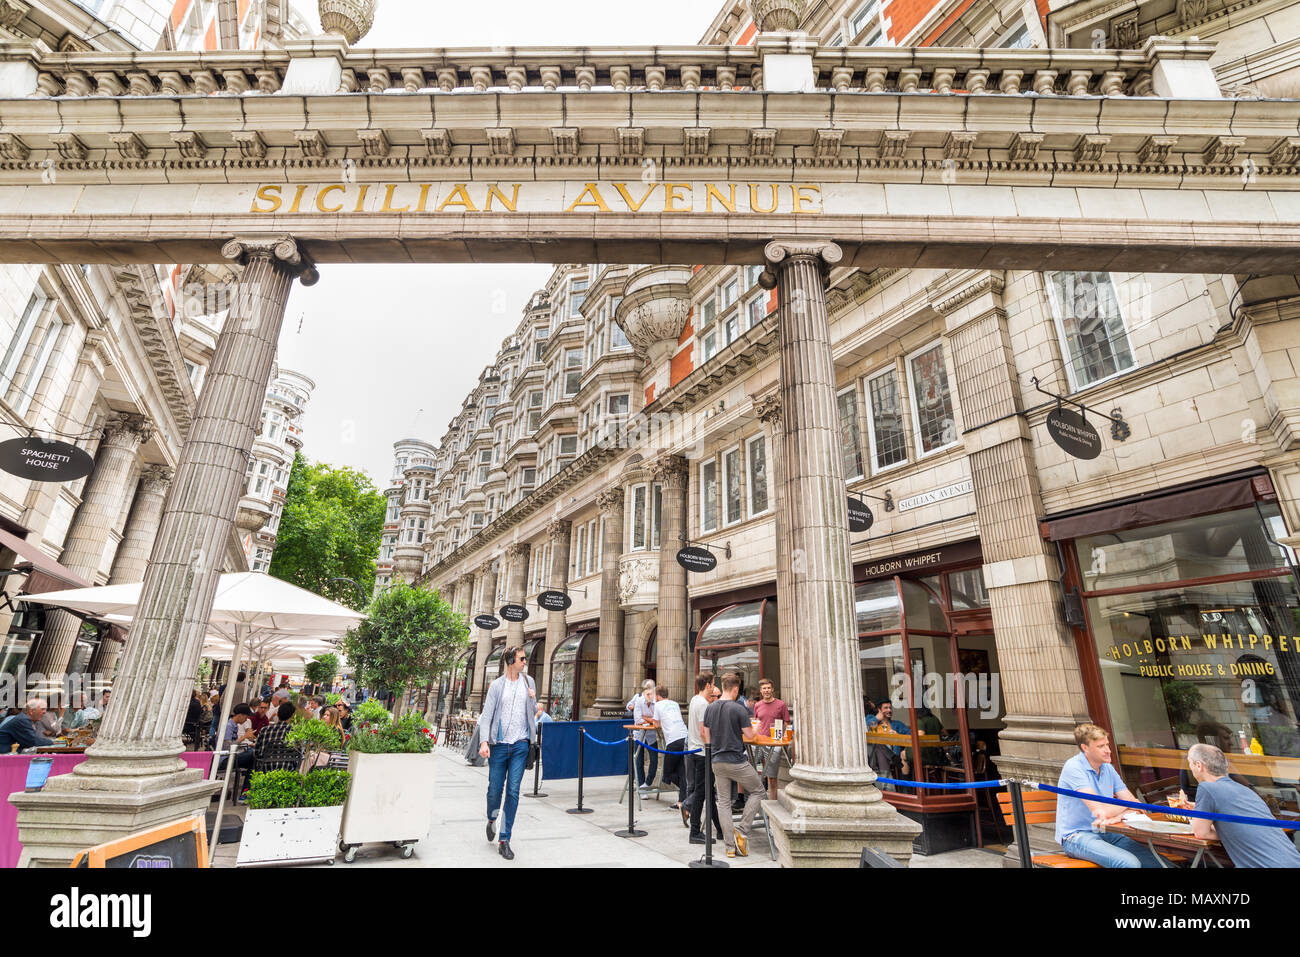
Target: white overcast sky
394,349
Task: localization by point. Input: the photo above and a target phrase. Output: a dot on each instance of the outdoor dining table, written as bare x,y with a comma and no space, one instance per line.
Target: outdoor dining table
1201,850
905,740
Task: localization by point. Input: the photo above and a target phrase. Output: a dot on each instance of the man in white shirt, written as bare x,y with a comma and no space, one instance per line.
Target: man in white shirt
642,707
667,717
696,766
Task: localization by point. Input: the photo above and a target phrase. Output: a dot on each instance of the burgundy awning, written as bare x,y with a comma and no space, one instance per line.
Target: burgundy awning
46,574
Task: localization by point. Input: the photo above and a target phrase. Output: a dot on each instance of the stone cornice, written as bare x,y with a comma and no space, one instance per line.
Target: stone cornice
140,292
956,289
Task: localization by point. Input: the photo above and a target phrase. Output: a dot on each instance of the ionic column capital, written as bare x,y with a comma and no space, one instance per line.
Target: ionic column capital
283,252
670,471
610,500
559,530
122,428
156,478
782,253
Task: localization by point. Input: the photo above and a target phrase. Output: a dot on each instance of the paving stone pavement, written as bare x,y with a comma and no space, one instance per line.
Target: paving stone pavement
545,836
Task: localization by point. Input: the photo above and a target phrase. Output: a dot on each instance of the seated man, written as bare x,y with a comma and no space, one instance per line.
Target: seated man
20,730
239,730
883,720
271,753
1248,845
1090,771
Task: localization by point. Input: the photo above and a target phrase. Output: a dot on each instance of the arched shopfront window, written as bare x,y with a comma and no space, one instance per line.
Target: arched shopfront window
907,654
494,667
573,676
453,688
743,639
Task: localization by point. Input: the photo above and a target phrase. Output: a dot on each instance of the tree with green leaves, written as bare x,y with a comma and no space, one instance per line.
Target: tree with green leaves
322,669
331,529
408,637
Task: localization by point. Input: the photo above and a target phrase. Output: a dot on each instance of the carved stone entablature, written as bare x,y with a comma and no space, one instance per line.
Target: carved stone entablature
1091,147
250,143
190,144
959,144
762,143
311,142
893,144
1155,151
953,291
565,140
638,581
501,140
374,142
11,12
610,501
1124,32
129,145
697,140
437,141
1285,153
828,143
631,140
1222,150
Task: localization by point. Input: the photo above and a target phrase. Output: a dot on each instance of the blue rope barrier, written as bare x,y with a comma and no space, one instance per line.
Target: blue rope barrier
959,786
657,751
608,744
1165,809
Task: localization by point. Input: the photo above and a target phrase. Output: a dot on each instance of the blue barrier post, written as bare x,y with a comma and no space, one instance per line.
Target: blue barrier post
1018,825
582,751
537,767
707,860
631,791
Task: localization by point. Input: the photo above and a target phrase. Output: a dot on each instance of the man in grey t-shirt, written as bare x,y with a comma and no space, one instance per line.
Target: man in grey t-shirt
1249,845
727,728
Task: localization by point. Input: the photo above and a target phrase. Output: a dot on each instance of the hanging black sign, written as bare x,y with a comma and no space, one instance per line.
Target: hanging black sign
487,622
554,600
45,460
860,517
695,559
1072,432
513,612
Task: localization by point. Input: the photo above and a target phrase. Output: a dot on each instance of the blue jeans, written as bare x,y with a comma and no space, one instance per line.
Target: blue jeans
505,767
1108,850
641,753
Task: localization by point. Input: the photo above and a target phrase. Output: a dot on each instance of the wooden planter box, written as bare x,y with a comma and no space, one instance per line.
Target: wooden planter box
295,835
390,800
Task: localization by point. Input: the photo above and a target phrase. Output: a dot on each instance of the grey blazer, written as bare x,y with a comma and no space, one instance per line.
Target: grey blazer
487,721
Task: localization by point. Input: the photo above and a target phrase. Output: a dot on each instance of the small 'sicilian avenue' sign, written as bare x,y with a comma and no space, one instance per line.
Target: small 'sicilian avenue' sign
1072,432
514,612
695,559
42,460
487,622
554,600
860,517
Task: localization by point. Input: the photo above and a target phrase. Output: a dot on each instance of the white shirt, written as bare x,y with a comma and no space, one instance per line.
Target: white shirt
699,704
514,710
669,715
641,709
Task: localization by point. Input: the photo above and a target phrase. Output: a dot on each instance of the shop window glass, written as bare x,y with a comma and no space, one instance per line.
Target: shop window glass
731,475
731,641
1090,325
876,606
757,453
888,443
967,589
935,425
708,496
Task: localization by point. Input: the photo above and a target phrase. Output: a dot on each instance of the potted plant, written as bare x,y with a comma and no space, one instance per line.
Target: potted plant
391,791
292,818
313,736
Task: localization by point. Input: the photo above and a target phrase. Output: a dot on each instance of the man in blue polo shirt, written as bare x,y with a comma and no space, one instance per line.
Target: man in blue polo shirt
1091,772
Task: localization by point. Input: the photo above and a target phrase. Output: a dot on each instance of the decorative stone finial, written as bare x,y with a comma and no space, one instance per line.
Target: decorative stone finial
350,19
771,16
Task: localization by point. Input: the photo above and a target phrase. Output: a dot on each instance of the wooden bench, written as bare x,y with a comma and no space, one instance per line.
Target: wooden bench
1040,808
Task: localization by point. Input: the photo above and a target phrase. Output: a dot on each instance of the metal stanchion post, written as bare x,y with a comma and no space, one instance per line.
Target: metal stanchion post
631,789
707,860
1019,826
582,750
537,768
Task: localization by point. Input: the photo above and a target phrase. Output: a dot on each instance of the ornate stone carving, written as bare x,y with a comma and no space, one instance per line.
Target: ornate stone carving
1222,150
1090,147
1155,150
893,143
638,582
671,471
190,144
517,551
779,250
250,143
959,145
656,301
311,142
559,530
829,142
631,140
1286,152
771,16
69,147
565,140
129,145
610,501
501,140
437,141
156,478
127,428
11,11
12,148
290,256
1024,147
697,140
1190,11
762,143
350,19
768,409
1124,32
374,142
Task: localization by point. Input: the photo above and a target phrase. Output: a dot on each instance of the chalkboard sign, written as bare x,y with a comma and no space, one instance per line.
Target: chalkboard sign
1072,432
695,559
177,844
487,622
554,600
860,517
42,460
513,612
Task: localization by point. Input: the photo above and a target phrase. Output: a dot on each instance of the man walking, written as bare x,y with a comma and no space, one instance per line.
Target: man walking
767,709
507,726
727,728
696,765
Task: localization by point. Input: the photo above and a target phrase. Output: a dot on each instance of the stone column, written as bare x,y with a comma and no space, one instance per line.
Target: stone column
133,552
133,777
83,549
633,654
517,591
1042,686
768,410
832,809
465,595
670,653
609,656
489,594
560,532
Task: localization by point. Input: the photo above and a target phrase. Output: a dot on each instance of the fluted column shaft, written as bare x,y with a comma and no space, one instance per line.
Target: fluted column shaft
140,735
561,534
83,549
486,602
818,590
609,655
769,412
670,651
517,591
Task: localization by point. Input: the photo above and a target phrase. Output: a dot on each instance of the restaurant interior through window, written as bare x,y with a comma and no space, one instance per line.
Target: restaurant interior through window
1190,633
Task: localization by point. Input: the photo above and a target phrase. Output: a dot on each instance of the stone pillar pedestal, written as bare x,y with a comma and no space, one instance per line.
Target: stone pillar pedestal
83,550
560,533
609,656
478,686
674,624
832,808
133,775
517,592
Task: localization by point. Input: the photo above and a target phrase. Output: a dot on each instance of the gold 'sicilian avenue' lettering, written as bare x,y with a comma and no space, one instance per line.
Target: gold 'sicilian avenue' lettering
267,194
753,199
297,198
388,201
635,207
458,197
596,199
361,200
796,192
510,204
424,197
713,191
671,196
320,198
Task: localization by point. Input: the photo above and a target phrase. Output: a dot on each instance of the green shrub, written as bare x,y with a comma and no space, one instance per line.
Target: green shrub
375,732
273,789
325,787
333,697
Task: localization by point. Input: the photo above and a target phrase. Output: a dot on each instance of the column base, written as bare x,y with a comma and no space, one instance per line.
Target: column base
475,702
55,824
604,708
